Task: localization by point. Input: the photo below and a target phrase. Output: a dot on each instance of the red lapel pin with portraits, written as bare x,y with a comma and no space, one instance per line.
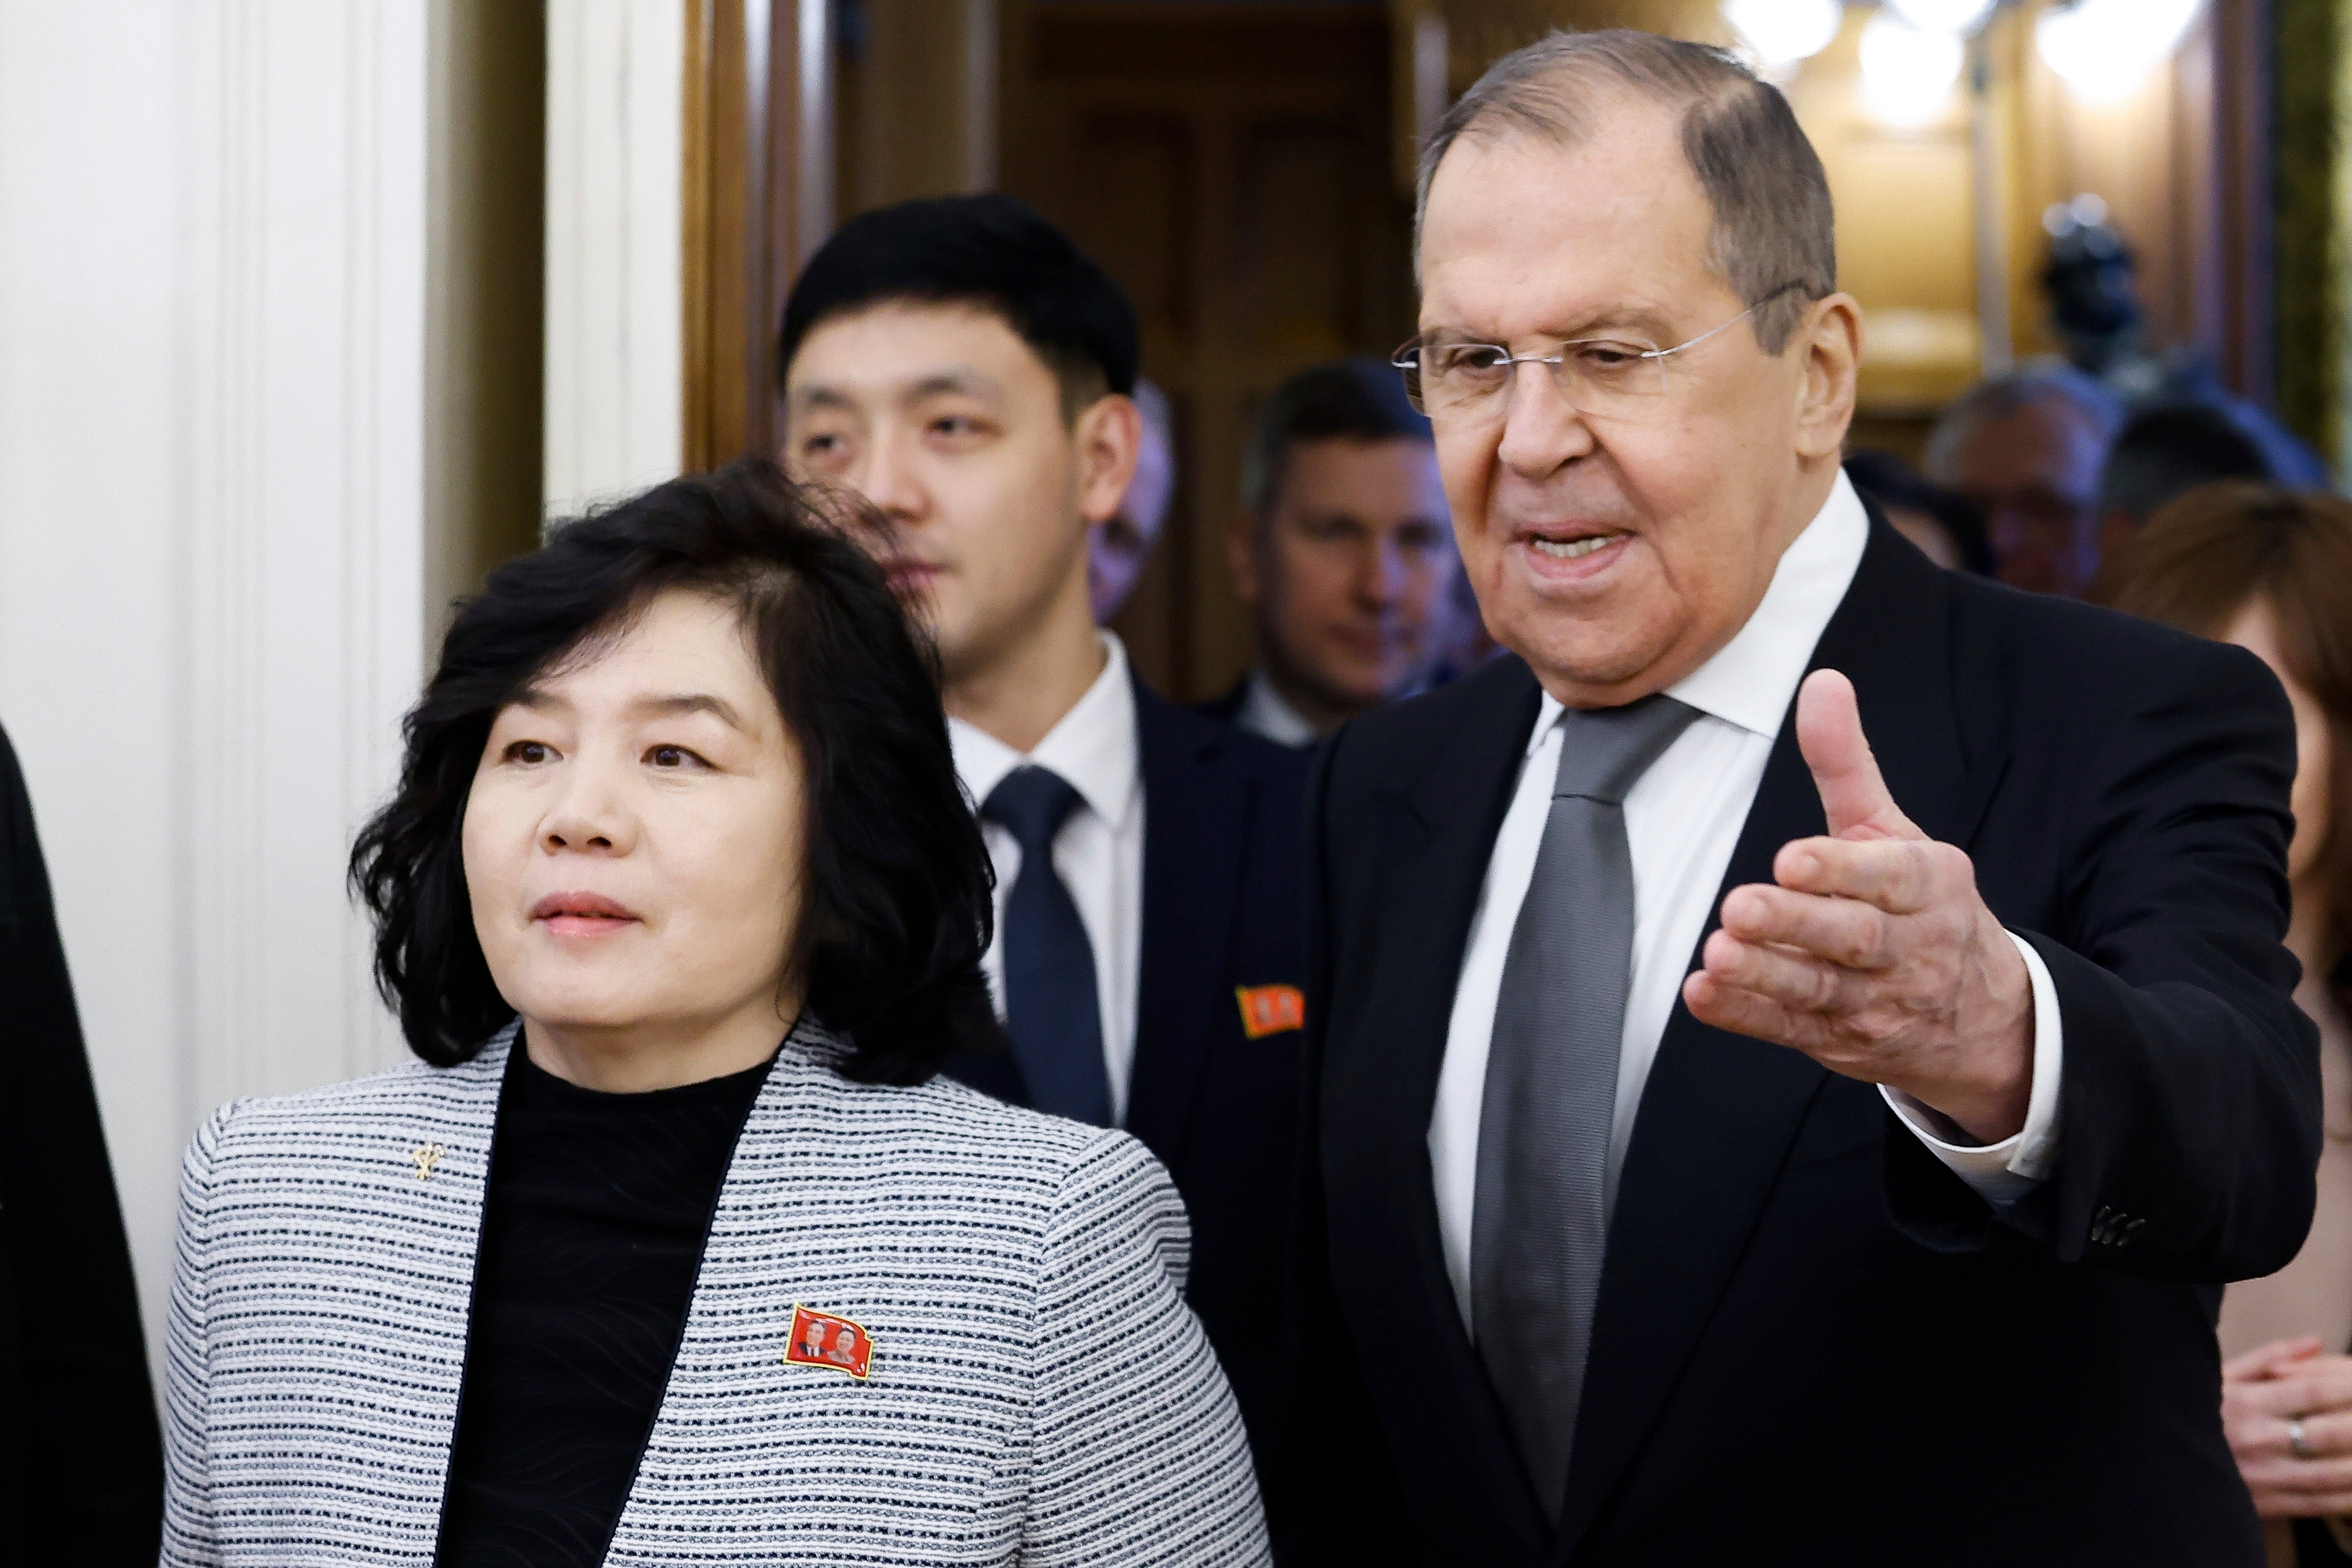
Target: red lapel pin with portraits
1271,1009
820,1338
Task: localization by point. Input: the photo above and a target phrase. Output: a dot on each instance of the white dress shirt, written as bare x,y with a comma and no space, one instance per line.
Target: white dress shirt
1098,852
1682,820
1265,712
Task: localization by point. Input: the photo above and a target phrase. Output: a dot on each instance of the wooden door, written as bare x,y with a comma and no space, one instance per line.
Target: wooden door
1233,166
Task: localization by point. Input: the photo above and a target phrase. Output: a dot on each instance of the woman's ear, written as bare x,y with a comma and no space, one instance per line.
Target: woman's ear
1829,339
1108,433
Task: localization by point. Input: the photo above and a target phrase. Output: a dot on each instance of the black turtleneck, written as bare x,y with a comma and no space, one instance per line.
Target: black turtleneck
592,1231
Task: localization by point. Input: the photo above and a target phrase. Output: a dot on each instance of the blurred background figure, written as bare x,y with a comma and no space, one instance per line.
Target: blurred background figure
2165,451
81,1464
1342,551
1943,523
1116,550
2027,450
2272,571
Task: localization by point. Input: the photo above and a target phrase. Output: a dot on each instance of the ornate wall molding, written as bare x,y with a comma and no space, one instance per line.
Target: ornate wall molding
615,325
211,527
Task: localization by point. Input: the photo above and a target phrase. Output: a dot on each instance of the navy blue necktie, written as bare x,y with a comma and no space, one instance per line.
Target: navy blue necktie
1050,1003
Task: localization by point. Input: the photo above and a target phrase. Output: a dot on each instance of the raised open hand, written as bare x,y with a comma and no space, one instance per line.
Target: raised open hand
1873,954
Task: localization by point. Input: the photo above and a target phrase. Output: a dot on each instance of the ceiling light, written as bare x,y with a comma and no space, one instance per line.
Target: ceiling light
2105,49
1908,73
1957,16
1784,31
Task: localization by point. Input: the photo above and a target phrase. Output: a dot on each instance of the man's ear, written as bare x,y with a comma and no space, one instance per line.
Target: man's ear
1829,339
1108,433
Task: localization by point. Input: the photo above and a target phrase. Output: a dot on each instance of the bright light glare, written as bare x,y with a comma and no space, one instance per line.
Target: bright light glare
1784,31
1907,74
2105,49
1960,16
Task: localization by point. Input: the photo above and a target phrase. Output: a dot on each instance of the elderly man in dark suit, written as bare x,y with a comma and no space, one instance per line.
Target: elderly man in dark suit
81,1464
1795,1052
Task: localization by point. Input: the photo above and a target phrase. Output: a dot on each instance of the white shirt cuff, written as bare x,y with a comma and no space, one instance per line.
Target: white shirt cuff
2004,1172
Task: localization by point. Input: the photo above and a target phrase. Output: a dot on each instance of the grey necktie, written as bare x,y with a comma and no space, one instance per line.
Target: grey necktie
1539,1220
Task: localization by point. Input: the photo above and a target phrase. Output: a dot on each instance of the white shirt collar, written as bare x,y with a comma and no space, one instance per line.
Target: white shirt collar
1092,747
1752,679
1265,712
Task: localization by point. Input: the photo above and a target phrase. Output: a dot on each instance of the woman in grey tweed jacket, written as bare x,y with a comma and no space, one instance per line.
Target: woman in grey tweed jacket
612,1276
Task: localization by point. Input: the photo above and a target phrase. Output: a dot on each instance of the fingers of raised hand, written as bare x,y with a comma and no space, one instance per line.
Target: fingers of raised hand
1843,931
1714,1002
1795,981
1900,876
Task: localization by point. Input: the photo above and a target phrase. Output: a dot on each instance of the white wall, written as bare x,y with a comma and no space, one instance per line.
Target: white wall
211,218
615,321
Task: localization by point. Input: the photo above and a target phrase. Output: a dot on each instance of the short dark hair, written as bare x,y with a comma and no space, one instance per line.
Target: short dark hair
1774,238
1891,482
1342,400
990,251
899,896
2169,450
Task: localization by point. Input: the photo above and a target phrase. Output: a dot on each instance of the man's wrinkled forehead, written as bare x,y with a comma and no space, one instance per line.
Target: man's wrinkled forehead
1555,231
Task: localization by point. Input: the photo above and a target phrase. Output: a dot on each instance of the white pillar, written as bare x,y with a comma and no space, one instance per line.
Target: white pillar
212,244
615,313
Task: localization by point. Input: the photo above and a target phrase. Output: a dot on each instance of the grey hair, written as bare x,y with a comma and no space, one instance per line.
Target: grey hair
1775,232
2099,409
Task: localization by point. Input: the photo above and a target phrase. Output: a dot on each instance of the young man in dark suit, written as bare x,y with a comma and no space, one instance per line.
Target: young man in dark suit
963,367
1778,1145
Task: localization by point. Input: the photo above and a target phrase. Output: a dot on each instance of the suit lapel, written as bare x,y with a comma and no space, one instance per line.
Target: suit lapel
1195,824
1721,1111
438,1175
1438,830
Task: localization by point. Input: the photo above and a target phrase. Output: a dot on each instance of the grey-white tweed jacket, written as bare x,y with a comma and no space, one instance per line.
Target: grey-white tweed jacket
1039,1392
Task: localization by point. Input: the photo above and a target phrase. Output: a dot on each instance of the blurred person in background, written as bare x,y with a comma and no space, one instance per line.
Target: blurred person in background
81,1463
1342,551
674,1246
2028,449
1116,551
2163,452
2272,571
1943,523
966,369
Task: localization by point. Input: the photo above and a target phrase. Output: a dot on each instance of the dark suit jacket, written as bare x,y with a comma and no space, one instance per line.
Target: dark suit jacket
1225,707
81,1466
1224,911
1813,1343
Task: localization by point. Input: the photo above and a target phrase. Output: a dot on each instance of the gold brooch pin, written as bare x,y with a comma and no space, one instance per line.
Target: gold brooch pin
425,1156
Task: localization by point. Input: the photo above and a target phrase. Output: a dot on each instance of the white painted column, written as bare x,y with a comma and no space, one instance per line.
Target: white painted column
615,318
212,314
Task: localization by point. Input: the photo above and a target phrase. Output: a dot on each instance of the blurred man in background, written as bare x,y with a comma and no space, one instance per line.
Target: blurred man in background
1117,550
1343,552
2028,449
960,365
1943,524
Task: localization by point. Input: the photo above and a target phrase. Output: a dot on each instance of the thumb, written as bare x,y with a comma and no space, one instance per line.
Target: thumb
1854,793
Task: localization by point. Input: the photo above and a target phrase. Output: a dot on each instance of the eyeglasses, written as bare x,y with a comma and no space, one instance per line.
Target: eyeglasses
1604,378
